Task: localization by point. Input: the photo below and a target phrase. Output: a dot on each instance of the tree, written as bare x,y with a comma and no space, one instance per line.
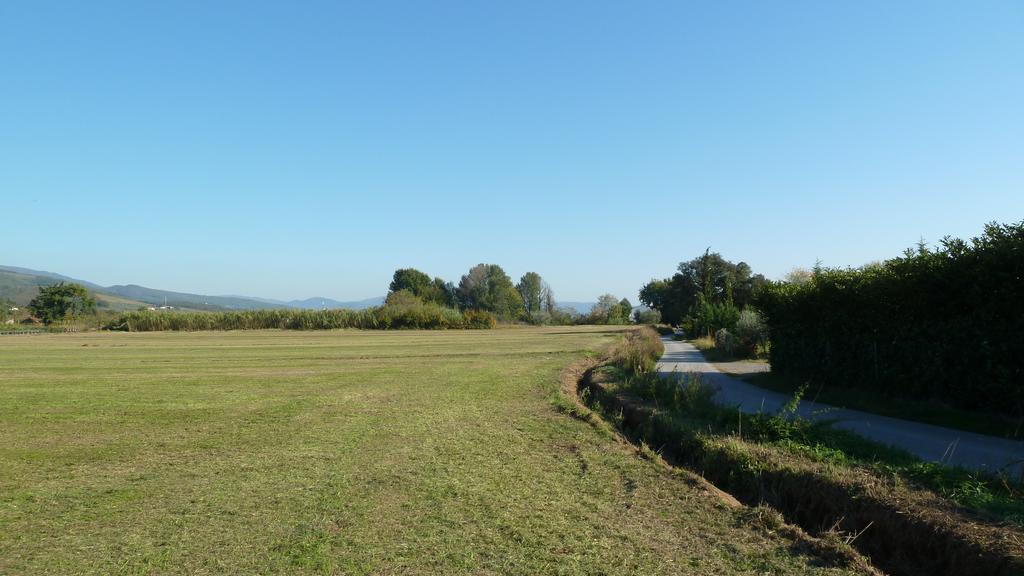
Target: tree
444,293
798,276
409,279
642,316
610,310
605,304
548,300
672,297
531,289
473,288
624,312
709,276
655,293
420,285
488,287
61,301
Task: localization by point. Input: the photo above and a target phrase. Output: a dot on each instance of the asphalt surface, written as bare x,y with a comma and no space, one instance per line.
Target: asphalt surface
930,443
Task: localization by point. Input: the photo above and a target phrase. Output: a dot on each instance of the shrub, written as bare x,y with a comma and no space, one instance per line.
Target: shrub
640,351
723,340
539,318
478,319
710,317
564,317
750,332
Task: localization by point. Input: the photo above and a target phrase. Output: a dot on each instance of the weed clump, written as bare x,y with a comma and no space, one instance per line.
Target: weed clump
639,352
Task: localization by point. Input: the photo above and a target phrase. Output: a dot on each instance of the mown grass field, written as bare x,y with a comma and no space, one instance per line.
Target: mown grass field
337,452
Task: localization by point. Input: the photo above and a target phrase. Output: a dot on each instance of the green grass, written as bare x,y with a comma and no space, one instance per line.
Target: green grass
917,410
337,452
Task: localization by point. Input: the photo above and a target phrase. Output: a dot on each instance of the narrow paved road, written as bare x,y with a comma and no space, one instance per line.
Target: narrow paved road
930,443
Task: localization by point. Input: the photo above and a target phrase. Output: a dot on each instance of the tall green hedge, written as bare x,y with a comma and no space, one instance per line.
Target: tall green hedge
944,324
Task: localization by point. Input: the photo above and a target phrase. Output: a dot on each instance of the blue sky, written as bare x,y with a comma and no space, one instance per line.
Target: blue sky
292,149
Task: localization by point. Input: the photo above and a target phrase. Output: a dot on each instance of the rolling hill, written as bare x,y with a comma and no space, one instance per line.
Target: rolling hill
19,285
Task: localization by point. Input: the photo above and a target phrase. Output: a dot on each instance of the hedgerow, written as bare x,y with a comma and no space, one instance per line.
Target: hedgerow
944,324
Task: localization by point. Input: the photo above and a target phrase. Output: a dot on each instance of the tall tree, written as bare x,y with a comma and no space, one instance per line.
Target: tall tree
420,285
488,287
62,301
625,311
610,310
548,299
531,289
710,276
444,292
410,279
473,288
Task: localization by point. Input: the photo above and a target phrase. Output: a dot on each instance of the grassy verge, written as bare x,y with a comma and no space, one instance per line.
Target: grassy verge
919,411
910,516
352,452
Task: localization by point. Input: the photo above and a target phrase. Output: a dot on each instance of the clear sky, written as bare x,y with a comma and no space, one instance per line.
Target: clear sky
291,149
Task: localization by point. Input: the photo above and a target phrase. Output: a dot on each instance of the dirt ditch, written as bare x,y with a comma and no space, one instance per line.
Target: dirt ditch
904,532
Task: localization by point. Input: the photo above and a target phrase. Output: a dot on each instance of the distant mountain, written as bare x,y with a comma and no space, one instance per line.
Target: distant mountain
186,300
318,303
22,284
581,307
48,276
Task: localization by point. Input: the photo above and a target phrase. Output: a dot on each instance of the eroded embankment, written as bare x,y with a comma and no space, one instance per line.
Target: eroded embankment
903,531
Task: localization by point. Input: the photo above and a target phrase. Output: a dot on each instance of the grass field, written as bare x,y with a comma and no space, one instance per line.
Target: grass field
338,452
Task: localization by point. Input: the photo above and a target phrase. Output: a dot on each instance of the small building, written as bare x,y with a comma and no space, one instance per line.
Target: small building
31,321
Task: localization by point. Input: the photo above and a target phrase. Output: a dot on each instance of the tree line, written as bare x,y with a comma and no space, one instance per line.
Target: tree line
488,288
